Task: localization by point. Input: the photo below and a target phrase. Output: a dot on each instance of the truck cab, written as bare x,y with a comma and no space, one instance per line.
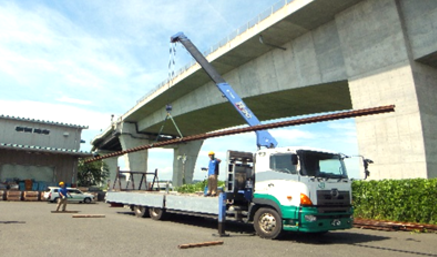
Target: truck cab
290,189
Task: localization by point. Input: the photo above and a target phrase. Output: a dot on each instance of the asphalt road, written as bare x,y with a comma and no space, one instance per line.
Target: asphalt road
30,229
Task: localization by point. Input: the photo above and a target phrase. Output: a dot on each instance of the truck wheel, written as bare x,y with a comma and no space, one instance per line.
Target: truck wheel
156,213
267,223
140,211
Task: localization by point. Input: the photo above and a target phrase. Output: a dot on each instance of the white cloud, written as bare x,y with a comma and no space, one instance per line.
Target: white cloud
56,112
342,125
65,99
291,134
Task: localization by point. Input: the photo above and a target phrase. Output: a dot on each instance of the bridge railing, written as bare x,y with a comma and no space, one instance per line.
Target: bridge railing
248,25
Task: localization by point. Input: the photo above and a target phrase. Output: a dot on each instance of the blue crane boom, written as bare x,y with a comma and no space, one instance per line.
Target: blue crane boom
264,138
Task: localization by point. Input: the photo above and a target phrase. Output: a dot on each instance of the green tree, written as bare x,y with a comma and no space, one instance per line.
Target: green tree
92,173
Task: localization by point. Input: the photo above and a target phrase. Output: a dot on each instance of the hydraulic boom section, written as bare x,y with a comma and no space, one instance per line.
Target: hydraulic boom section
264,138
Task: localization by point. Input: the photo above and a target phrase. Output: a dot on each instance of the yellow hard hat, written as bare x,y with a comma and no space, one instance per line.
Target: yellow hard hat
61,183
211,153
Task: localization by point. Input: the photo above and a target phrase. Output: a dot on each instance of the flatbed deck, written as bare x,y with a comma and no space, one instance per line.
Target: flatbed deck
171,201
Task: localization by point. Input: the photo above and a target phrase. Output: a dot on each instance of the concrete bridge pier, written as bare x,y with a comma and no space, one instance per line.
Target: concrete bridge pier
184,161
136,161
385,68
112,164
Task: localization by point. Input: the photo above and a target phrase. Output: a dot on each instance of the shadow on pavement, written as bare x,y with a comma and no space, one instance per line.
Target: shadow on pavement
332,238
12,222
395,250
247,230
237,229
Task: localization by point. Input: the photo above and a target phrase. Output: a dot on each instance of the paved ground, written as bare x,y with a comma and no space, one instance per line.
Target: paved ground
30,229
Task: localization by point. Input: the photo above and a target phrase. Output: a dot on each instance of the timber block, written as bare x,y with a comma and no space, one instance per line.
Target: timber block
13,195
31,196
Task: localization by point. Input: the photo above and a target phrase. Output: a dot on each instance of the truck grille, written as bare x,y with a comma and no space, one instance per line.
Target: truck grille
333,201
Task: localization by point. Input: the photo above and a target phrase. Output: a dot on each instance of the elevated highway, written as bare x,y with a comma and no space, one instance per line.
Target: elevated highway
310,57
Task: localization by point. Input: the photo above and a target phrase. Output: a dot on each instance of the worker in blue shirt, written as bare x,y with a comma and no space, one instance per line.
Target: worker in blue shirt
63,195
213,171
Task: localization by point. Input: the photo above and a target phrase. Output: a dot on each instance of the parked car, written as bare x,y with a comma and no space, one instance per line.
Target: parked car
77,196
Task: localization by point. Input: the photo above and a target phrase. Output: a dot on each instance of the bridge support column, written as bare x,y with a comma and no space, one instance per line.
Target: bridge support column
426,84
112,164
382,71
136,161
184,160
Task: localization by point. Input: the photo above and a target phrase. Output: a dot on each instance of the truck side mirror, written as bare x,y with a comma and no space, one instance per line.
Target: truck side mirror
294,159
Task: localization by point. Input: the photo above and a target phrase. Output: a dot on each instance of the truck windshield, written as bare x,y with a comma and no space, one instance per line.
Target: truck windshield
320,164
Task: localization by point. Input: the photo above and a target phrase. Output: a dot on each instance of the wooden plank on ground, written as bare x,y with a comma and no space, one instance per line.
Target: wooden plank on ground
185,246
65,211
88,215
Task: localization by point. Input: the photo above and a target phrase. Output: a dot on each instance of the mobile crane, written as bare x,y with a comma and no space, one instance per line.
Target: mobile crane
276,189
264,138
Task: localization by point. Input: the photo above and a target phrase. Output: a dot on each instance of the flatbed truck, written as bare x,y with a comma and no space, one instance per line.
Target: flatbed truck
295,189
277,190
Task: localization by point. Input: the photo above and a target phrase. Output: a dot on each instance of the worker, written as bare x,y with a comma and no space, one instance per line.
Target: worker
213,171
63,195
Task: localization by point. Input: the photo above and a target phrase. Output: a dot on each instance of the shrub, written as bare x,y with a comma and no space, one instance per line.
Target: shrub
406,200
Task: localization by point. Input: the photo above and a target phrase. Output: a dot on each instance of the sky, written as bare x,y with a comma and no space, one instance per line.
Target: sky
82,61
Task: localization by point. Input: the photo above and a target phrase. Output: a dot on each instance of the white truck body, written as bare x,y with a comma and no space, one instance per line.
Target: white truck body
283,196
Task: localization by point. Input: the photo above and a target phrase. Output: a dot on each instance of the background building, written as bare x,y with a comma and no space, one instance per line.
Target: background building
39,151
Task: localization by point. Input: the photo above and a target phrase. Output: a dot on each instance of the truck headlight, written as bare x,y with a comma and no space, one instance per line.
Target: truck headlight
310,218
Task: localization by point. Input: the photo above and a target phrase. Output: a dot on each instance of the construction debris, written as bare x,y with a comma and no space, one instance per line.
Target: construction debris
185,246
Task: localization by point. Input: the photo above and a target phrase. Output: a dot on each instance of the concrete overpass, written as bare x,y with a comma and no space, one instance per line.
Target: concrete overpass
309,57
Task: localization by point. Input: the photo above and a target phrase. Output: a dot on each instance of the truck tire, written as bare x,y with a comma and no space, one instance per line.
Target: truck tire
267,223
141,211
156,213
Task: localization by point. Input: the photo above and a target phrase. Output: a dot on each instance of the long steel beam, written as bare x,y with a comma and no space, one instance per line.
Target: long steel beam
293,122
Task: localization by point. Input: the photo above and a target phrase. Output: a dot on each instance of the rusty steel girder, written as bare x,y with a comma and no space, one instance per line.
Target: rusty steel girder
393,225
287,123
